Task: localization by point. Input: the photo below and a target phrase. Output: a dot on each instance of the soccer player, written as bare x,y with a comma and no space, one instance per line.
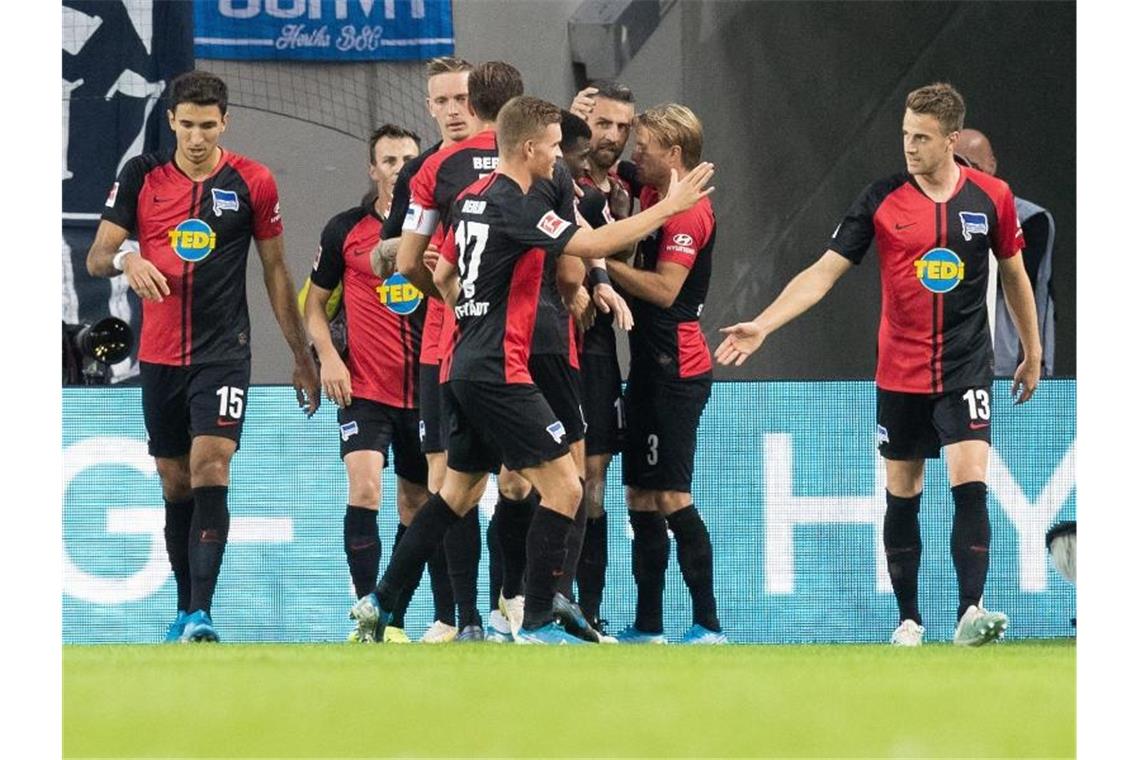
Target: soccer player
608,111
375,390
195,212
491,269
447,104
935,225
670,379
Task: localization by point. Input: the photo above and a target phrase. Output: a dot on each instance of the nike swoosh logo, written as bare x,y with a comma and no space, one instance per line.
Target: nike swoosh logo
904,226
979,425
159,200
227,423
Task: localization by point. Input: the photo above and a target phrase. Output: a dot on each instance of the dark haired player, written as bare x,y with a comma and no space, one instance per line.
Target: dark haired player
935,226
194,213
375,387
491,269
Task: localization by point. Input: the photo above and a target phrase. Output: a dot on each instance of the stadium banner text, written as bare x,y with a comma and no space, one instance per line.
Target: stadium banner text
787,477
323,30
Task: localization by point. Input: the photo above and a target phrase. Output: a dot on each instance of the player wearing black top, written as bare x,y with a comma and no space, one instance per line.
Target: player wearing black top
935,226
670,379
194,214
491,270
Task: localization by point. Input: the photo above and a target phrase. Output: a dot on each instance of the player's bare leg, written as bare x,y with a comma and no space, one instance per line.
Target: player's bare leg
210,457
966,464
178,499
902,542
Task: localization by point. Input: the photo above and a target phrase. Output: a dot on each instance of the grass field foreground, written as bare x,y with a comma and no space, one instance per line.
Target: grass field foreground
1015,699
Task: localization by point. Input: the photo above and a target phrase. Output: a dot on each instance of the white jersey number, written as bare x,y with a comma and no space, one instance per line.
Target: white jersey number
471,237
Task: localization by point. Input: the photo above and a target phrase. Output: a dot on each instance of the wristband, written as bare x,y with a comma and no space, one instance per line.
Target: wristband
597,276
117,262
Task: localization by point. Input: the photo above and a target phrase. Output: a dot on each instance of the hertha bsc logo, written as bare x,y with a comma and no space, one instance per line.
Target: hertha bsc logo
974,223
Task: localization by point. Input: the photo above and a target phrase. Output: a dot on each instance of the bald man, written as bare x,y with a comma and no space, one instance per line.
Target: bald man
1037,225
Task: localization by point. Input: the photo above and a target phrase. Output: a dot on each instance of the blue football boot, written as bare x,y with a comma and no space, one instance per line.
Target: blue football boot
199,627
698,634
370,617
174,630
633,636
550,633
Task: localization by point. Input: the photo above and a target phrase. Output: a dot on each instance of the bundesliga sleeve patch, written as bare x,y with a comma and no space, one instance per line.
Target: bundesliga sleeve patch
552,224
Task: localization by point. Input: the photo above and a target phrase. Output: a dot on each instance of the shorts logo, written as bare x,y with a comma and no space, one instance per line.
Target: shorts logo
552,224
940,270
423,431
224,200
111,196
398,295
974,223
883,436
193,240
557,431
348,429
317,260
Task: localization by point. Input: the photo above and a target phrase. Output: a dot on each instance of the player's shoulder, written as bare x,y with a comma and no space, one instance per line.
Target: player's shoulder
884,186
144,163
994,187
250,169
411,167
347,219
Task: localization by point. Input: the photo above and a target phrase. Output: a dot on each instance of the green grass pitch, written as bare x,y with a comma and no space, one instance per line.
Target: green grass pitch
1013,699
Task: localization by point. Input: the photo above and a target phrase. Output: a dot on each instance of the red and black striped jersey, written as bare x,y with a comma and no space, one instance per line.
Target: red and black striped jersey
669,342
198,235
934,262
498,240
434,186
384,318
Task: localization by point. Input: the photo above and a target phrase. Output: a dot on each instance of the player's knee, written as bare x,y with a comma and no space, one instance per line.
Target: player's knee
513,486
175,477
363,493
593,497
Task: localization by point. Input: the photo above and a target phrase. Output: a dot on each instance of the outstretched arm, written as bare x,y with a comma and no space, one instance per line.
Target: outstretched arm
1019,299
804,291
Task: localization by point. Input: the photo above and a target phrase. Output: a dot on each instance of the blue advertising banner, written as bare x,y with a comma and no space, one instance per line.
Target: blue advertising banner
787,478
323,30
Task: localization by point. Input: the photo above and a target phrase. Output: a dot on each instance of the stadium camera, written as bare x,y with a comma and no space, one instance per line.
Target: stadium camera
90,350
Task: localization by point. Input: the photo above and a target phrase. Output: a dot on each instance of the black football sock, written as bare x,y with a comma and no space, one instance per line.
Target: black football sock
903,544
695,556
650,559
443,600
177,533
513,526
422,538
406,595
209,529
545,555
574,547
592,567
462,545
362,548
970,542
495,562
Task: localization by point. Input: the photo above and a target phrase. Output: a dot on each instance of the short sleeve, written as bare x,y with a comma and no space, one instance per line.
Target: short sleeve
594,207
1009,239
328,268
422,216
536,225
266,207
684,235
447,249
855,232
121,207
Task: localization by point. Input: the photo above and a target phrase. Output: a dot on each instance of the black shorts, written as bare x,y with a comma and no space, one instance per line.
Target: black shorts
182,402
917,425
602,403
431,414
367,425
560,384
661,438
491,423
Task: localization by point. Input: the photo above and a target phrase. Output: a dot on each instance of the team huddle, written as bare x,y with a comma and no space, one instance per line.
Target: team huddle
463,318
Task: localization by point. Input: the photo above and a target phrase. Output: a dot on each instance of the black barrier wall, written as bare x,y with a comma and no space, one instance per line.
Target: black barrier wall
802,105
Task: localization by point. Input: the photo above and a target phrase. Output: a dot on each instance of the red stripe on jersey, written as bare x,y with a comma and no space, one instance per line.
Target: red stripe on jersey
522,309
572,331
187,321
448,337
693,357
433,321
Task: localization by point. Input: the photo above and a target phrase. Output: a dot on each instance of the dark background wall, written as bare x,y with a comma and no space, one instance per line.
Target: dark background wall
802,103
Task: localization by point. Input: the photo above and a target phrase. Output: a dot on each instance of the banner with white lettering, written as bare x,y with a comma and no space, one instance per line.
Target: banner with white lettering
323,30
786,477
